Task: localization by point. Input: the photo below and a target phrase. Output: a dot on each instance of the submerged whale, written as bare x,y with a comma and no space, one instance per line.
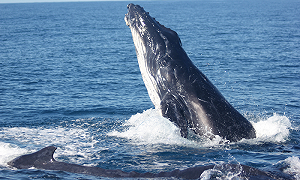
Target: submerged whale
43,159
177,88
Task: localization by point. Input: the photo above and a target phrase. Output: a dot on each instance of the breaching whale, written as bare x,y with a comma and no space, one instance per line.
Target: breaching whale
177,88
43,159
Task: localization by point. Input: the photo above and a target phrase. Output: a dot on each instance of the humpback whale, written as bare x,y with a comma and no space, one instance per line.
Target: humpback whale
43,159
177,88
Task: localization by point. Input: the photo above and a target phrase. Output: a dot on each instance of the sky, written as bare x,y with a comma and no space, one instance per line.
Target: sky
30,1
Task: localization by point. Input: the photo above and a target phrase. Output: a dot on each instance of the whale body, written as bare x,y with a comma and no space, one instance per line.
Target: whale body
43,159
177,88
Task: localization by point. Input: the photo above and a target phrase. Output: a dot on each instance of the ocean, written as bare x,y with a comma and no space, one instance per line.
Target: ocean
69,77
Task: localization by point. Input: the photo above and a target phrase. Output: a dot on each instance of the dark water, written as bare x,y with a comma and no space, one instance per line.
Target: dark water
70,78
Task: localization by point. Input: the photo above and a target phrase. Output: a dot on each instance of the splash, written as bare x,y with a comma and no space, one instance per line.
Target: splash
142,128
273,129
8,152
73,141
293,166
222,171
151,128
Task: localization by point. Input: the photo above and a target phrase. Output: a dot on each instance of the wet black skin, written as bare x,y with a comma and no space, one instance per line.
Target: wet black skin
187,97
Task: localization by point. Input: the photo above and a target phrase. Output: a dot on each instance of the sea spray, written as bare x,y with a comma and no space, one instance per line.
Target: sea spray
149,127
272,129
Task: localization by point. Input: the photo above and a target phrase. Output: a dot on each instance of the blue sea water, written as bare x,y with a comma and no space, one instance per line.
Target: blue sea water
69,77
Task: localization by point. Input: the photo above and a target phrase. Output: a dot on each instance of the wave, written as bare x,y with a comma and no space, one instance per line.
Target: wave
78,144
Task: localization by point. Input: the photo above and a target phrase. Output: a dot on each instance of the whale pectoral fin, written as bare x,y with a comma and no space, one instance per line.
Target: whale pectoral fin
173,109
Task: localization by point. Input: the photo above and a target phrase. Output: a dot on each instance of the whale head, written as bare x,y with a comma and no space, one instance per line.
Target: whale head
156,46
150,32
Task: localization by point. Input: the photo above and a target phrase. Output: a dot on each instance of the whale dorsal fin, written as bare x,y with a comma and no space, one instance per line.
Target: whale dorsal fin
44,155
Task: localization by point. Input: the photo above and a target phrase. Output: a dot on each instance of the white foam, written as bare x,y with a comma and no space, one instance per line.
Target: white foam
9,152
222,171
272,129
150,127
293,166
74,141
47,136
